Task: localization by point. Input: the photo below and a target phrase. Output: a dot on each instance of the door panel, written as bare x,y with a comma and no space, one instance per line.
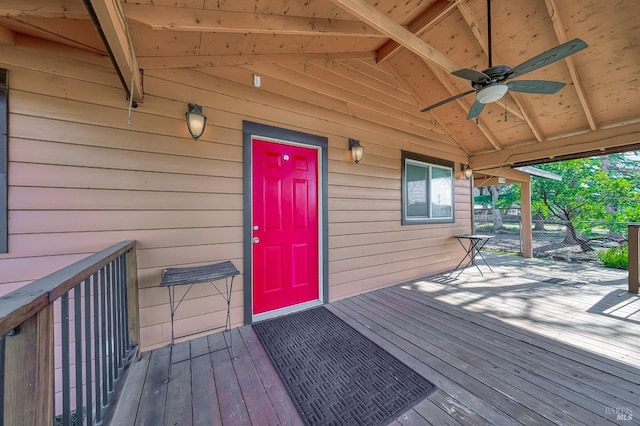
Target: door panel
285,224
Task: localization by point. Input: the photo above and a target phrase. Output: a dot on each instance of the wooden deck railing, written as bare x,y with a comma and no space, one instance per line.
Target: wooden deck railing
634,257
87,315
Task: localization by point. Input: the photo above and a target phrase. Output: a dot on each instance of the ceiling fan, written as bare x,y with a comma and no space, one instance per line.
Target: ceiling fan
491,84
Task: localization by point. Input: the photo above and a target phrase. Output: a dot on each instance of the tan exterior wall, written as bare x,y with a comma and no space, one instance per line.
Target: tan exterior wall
81,178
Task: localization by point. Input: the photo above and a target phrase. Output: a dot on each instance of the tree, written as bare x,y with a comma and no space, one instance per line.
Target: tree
538,221
495,210
498,196
600,189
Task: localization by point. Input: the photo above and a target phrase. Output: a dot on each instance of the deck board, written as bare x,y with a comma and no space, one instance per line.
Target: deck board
498,373
199,347
273,386
206,410
154,392
179,407
463,414
233,409
543,361
471,362
523,360
500,350
260,410
549,346
181,352
494,405
129,399
426,409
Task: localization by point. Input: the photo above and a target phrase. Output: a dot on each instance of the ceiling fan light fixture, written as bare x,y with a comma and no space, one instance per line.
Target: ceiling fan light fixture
492,93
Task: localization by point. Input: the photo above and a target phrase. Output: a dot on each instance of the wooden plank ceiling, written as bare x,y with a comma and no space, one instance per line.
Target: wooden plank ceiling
385,60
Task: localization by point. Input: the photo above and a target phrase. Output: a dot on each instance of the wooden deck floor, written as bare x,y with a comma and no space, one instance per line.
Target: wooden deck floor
513,347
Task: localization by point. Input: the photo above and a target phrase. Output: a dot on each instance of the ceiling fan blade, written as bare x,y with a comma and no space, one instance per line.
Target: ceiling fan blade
535,86
472,75
453,98
548,57
475,110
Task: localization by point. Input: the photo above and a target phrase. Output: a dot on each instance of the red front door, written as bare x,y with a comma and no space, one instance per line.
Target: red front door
285,225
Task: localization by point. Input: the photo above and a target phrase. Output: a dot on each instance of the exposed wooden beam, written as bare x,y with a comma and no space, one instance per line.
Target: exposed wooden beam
509,173
431,16
111,23
72,9
420,98
573,71
67,33
166,62
620,124
612,139
201,20
381,22
7,37
534,171
519,112
482,181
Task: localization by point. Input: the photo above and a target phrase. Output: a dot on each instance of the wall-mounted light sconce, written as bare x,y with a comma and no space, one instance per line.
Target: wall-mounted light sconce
467,171
196,121
357,150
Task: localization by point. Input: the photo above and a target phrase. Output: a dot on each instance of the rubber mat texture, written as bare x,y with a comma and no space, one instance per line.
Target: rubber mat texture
334,374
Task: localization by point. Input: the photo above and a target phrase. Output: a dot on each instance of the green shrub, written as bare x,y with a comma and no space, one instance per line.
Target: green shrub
615,257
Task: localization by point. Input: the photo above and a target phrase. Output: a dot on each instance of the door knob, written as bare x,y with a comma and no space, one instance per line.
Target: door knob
255,240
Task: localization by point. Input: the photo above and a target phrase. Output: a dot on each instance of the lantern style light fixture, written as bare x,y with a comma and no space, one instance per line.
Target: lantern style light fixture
196,121
357,150
467,172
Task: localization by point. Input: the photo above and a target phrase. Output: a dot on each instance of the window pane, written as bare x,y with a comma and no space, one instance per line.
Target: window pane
427,190
416,191
441,192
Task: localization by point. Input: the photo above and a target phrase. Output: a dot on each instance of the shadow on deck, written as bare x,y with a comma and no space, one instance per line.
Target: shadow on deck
510,347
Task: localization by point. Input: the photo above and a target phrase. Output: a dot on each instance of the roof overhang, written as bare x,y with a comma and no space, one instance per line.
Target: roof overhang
507,175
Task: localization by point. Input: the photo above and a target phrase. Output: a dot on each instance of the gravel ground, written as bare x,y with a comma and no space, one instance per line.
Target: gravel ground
544,246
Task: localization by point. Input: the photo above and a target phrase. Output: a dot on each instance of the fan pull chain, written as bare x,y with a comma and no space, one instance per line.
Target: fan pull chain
505,109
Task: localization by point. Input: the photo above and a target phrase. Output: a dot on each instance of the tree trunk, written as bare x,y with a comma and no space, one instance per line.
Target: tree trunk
495,211
538,222
571,237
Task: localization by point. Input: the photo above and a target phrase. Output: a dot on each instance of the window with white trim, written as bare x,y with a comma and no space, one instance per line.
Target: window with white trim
427,190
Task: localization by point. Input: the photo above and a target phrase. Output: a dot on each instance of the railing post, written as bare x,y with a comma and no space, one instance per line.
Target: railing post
634,256
29,371
132,297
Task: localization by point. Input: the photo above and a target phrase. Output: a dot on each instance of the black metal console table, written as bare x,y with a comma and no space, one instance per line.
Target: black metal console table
172,277
476,243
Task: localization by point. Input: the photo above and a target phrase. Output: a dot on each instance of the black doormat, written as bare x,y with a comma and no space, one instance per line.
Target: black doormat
335,375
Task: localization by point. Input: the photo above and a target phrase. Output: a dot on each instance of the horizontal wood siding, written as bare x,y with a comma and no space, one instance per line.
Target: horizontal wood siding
82,178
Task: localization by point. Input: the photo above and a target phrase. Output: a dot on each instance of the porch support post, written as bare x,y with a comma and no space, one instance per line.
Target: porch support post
634,257
525,205
29,371
133,301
